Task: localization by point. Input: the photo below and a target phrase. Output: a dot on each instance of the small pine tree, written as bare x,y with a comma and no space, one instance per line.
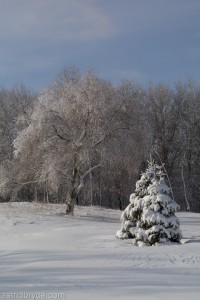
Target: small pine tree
150,217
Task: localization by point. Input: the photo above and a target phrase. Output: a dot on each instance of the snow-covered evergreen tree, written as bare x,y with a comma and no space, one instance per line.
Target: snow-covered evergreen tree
150,217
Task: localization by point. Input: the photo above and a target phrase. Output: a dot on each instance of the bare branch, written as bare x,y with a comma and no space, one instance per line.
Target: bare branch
81,185
59,135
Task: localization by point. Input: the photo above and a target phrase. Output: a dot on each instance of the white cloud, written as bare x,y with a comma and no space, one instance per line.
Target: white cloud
194,52
136,75
154,17
50,19
118,75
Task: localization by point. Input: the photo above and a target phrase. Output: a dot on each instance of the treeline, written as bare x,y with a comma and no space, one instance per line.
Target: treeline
85,141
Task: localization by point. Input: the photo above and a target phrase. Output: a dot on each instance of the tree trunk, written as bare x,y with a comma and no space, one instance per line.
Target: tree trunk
71,199
71,202
76,188
185,192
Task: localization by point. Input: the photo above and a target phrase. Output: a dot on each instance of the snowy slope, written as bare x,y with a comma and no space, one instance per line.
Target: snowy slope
44,251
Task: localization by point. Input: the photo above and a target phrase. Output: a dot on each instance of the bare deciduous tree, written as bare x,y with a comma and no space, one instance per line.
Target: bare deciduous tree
86,141
71,125
15,109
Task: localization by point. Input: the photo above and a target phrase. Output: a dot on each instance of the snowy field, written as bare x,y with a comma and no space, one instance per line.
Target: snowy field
44,252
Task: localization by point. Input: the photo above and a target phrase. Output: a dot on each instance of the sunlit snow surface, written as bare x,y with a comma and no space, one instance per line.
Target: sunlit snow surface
44,251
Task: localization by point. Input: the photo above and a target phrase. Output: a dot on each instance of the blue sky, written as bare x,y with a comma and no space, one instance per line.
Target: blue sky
139,40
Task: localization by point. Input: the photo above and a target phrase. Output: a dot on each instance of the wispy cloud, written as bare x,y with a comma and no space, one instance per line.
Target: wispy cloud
126,74
194,52
138,40
135,75
155,16
56,19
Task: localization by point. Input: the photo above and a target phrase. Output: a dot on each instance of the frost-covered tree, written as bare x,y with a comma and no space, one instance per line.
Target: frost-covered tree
15,110
72,127
15,105
150,217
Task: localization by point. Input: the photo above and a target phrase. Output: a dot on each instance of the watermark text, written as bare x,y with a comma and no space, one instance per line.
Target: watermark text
31,296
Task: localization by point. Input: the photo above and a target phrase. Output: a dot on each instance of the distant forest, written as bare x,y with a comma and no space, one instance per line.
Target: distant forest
85,141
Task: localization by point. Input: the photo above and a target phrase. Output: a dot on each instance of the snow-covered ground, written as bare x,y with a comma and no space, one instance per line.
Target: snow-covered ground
44,252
